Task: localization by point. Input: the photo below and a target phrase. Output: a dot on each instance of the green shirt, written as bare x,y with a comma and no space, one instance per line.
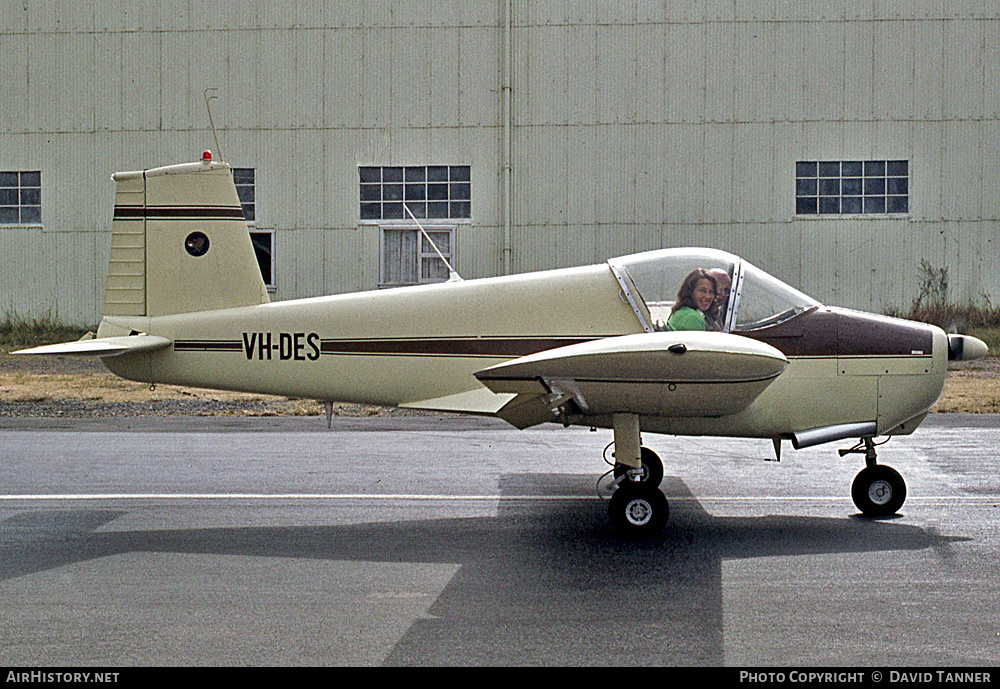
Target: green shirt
686,318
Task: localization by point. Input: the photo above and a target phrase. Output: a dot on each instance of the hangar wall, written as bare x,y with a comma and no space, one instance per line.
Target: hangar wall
633,125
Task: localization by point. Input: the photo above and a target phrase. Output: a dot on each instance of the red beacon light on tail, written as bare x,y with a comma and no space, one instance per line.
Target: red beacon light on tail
206,157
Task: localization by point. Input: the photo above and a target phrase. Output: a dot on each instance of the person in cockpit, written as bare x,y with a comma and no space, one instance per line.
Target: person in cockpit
715,318
695,299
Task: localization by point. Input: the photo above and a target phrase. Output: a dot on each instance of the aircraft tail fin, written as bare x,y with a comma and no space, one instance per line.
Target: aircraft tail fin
179,243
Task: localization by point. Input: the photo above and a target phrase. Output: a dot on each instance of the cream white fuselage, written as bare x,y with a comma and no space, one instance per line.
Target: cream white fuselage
421,347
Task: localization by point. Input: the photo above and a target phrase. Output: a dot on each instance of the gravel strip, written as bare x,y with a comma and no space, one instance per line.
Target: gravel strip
80,409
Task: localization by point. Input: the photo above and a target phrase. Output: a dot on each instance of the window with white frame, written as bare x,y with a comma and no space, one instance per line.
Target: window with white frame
833,187
431,194
408,258
21,198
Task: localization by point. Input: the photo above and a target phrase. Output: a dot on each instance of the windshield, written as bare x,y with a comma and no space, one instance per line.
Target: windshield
764,300
745,297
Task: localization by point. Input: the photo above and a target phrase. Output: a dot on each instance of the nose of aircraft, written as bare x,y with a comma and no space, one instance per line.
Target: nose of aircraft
965,348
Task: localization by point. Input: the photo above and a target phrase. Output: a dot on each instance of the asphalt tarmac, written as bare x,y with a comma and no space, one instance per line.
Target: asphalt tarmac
452,541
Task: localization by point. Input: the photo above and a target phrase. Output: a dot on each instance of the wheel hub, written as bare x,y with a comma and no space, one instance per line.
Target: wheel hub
638,512
880,492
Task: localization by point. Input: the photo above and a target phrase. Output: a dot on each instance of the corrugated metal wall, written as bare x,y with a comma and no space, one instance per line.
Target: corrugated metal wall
636,125
680,123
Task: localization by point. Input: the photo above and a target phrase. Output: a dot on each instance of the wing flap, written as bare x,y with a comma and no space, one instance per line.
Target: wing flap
101,346
526,410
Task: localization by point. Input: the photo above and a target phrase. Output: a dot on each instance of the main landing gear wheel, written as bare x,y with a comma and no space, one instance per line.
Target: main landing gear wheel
878,491
638,509
652,468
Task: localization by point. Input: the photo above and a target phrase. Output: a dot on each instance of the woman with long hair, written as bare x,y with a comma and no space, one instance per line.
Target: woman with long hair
695,299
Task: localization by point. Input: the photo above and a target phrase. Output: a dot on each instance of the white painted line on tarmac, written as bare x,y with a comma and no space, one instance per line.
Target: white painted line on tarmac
289,496
70,497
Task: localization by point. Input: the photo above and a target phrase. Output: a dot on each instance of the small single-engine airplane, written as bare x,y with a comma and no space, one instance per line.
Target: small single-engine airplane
184,304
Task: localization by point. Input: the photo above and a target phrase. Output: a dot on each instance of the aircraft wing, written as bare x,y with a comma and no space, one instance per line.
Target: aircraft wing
656,374
101,346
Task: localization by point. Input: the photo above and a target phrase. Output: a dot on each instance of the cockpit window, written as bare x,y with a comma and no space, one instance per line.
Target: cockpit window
654,279
764,300
746,297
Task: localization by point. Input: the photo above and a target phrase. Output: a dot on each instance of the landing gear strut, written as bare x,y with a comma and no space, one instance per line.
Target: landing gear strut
878,490
652,468
637,507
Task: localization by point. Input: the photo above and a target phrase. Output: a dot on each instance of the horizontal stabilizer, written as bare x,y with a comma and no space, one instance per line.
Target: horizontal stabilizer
478,401
101,346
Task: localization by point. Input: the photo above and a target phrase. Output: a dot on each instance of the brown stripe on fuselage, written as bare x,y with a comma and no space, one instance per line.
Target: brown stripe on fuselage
473,346
207,346
822,332
467,347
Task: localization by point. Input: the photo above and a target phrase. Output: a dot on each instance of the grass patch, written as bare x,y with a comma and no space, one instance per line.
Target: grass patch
980,318
17,332
991,336
965,319
969,320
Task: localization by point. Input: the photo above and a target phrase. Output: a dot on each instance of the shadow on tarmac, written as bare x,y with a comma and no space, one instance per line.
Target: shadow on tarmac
543,582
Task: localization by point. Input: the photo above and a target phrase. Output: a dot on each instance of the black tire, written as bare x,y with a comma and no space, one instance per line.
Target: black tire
652,468
878,491
638,510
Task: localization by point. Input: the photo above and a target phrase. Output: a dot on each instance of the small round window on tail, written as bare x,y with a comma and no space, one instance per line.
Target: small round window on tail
196,244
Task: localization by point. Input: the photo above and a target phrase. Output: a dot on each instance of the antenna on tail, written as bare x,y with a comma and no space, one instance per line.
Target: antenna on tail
211,122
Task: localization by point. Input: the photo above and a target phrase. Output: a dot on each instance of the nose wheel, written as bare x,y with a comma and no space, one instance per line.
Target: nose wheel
878,490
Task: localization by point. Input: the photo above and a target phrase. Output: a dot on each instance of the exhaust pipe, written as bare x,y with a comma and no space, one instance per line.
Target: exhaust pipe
827,434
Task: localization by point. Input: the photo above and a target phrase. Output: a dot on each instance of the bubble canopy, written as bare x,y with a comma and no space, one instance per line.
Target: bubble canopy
651,281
